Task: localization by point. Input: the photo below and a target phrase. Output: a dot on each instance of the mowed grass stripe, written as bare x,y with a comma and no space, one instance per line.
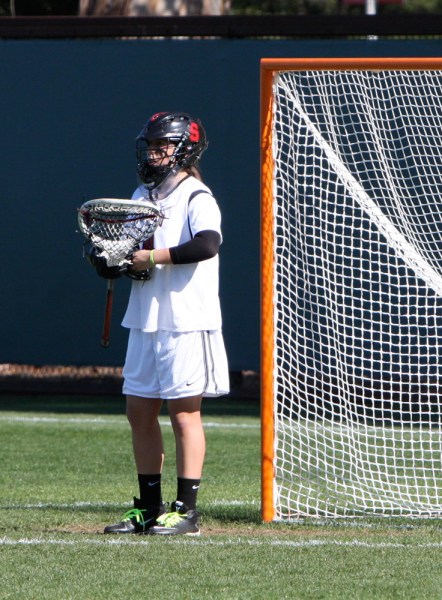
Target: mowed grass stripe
240,541
111,421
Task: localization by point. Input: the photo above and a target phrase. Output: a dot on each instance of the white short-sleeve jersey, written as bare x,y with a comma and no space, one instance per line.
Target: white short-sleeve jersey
179,297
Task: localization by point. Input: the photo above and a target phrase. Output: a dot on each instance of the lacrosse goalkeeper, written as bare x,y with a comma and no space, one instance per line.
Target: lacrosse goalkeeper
175,351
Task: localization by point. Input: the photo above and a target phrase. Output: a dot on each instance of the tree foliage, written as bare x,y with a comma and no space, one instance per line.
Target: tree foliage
39,7
234,7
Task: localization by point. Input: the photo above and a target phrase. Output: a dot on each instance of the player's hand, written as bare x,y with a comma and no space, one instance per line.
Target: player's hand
99,263
140,260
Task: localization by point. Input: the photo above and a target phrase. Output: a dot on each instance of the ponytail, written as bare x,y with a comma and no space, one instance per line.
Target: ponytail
194,171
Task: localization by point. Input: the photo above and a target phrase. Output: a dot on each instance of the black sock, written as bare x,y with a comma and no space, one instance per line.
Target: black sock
150,490
187,491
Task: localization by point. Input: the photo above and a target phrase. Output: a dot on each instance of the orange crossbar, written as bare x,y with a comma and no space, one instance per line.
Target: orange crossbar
339,64
269,66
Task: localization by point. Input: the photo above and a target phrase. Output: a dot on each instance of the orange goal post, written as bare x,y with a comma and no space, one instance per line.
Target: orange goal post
351,287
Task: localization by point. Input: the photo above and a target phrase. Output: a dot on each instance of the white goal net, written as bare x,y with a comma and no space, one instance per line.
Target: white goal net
357,292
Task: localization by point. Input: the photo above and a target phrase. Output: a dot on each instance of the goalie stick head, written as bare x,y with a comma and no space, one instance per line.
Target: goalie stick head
180,129
117,226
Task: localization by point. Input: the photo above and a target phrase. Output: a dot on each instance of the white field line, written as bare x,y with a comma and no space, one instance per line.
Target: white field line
240,541
101,421
98,504
299,429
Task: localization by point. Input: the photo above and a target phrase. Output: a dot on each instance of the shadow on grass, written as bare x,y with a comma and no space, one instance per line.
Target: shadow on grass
223,514
220,515
115,405
229,515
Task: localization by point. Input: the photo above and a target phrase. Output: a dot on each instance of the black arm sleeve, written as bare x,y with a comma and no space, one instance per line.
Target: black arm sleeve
204,245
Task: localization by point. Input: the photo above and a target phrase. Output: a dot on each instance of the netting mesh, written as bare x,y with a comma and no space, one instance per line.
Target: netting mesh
358,292
116,227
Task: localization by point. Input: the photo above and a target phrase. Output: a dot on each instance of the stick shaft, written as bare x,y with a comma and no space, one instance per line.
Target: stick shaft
105,336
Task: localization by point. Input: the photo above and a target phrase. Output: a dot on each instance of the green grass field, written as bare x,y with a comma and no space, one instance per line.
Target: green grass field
67,470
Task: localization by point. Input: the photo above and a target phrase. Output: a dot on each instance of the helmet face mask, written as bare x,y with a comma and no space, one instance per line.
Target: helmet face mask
185,133
153,162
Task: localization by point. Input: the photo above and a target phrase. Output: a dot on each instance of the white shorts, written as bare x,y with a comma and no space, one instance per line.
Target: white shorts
172,365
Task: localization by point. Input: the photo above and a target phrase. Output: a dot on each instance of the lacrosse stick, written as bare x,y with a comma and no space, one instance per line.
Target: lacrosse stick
117,227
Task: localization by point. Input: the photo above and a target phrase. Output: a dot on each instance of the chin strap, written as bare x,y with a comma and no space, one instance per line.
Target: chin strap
166,186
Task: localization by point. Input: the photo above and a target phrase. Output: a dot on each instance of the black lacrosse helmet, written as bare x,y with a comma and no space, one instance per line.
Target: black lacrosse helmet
179,128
